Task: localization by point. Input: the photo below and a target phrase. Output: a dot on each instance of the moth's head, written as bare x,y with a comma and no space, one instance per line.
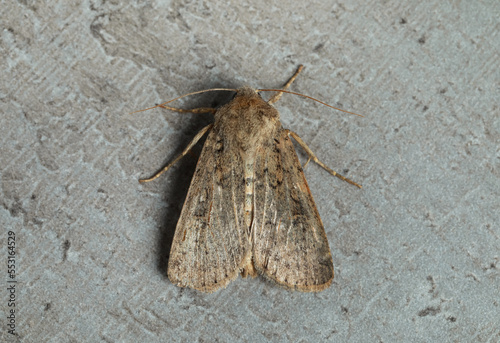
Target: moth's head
247,108
248,97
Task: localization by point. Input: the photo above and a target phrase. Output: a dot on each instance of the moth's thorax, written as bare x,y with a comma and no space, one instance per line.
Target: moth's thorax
248,119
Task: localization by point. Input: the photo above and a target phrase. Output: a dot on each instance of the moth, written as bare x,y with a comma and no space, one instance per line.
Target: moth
249,209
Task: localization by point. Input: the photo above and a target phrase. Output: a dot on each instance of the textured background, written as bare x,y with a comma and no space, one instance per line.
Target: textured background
416,251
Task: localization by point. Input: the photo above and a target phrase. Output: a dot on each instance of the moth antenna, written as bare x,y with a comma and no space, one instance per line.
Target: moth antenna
309,97
182,96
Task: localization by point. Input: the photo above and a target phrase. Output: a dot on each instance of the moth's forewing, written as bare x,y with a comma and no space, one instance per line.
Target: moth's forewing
210,244
289,242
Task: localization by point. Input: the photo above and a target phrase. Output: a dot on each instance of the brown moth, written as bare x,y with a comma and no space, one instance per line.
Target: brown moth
249,209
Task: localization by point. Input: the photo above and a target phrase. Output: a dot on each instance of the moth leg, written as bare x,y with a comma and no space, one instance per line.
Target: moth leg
278,95
315,159
305,164
181,155
194,110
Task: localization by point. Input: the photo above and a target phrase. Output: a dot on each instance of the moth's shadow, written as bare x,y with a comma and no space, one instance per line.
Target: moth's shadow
181,174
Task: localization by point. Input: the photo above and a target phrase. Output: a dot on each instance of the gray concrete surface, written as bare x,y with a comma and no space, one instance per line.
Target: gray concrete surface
416,251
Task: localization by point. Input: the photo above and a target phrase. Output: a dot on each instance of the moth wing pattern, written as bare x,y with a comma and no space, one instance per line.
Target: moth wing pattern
290,246
210,244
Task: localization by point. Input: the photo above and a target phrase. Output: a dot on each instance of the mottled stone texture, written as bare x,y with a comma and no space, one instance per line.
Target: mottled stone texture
416,251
